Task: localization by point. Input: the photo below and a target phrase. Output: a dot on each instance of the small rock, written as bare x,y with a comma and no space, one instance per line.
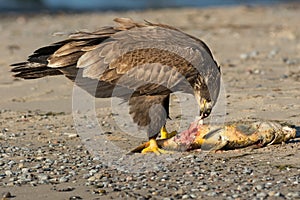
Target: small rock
86,176
75,198
53,180
179,192
261,195
194,190
33,183
71,135
273,53
212,194
8,173
63,179
289,61
253,54
260,187
92,178
244,56
10,183
277,194
21,165
93,171
186,196
40,158
99,191
98,176
67,189
42,177
247,170
269,185
293,194
204,188
284,76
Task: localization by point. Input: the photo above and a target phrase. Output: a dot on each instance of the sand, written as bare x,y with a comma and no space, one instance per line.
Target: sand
258,49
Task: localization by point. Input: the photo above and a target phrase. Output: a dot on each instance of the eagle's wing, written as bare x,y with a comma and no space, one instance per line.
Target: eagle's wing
149,112
149,53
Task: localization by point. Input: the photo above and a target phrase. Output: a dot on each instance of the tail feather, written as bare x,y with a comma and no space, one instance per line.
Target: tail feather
29,70
42,54
36,65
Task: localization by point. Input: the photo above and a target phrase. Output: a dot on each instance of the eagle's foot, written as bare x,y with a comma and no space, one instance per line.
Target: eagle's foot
153,147
165,135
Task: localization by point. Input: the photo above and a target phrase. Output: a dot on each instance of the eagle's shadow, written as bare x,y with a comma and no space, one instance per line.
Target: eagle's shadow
297,131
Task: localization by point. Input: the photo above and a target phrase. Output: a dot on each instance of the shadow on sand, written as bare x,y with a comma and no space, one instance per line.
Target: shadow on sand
297,131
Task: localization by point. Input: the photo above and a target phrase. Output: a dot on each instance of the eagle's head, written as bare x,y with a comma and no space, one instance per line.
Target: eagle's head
205,107
206,97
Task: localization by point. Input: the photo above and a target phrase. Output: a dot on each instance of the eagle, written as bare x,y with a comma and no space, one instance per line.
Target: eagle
142,63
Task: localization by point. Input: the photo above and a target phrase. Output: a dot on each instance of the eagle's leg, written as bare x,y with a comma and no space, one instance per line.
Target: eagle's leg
164,133
153,147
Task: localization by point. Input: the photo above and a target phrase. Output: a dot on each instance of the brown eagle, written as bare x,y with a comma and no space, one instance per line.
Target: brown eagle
143,63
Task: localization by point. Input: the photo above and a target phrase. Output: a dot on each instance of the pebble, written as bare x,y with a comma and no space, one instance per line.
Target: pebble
268,185
65,189
186,196
211,194
273,53
293,194
71,135
86,176
8,173
42,177
99,191
235,196
261,195
259,187
244,56
289,61
63,179
75,198
252,54
91,179
247,170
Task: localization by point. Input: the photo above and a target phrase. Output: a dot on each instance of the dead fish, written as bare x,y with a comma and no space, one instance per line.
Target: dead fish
226,137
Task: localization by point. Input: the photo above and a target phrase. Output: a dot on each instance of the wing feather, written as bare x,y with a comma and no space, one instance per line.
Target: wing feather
149,112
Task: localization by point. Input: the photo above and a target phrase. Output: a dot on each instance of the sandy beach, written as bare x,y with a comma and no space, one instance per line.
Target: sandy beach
42,157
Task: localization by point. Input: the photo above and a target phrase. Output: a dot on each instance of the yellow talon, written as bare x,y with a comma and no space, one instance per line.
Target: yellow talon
152,144
153,147
164,133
